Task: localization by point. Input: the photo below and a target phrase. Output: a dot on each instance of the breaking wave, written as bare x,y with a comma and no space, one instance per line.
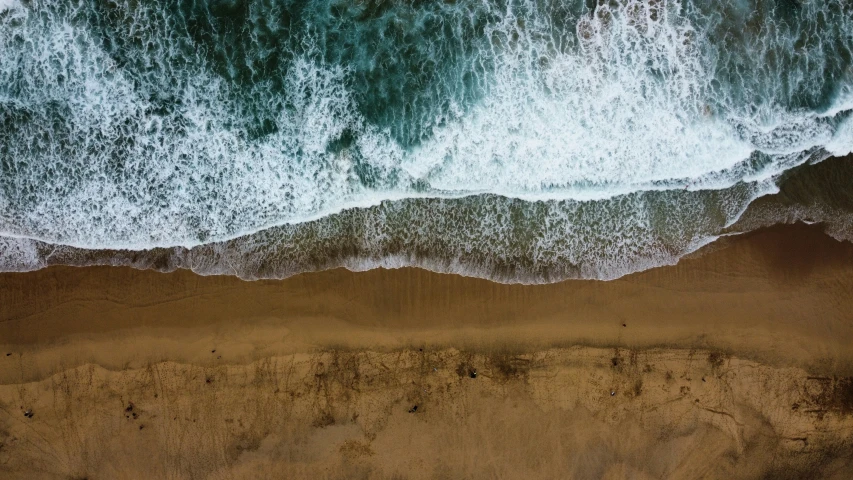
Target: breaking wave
517,140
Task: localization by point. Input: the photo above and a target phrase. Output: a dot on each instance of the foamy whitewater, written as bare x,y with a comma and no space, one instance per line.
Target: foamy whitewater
516,140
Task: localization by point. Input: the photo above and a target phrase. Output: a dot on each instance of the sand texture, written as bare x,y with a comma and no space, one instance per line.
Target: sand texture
736,363
433,414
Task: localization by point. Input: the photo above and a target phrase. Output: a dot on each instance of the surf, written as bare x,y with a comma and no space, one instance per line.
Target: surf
189,126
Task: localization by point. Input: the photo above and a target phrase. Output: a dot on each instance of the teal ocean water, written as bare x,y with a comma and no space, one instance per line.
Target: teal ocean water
515,140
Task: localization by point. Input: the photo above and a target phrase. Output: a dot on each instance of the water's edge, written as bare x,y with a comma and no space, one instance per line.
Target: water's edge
817,193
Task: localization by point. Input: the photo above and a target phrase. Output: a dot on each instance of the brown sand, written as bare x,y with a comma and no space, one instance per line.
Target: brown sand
732,364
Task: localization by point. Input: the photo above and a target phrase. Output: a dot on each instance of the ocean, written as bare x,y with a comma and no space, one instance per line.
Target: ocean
522,141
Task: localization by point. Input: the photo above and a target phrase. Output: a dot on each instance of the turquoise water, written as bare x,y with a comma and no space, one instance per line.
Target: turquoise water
522,140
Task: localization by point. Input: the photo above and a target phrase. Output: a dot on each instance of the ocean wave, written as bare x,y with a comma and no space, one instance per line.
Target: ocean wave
499,238
186,126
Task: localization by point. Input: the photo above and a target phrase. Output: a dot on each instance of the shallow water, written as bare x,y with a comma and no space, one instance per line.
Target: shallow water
520,140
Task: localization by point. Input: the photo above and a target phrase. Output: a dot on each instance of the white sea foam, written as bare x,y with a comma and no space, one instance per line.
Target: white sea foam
19,255
8,5
491,237
625,104
841,143
594,119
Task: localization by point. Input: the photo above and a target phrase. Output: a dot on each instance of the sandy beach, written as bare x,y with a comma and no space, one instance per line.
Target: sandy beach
414,240
735,363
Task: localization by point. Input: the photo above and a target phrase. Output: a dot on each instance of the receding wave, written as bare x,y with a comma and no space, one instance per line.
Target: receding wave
517,140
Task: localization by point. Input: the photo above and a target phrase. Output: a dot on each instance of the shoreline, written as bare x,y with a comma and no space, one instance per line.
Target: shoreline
778,295
812,194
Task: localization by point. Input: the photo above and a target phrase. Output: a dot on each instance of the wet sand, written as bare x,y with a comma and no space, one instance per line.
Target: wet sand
735,363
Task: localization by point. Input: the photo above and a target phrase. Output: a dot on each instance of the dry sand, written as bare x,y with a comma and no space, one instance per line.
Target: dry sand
732,364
